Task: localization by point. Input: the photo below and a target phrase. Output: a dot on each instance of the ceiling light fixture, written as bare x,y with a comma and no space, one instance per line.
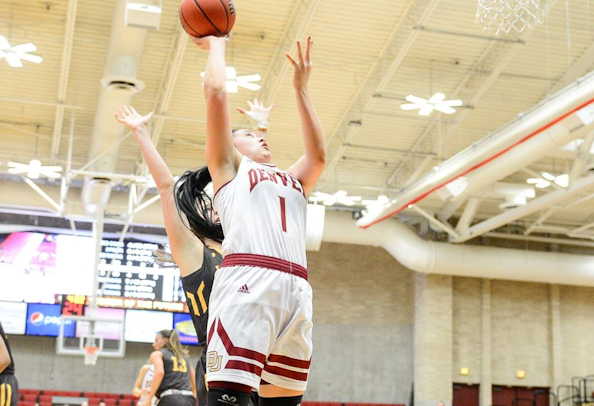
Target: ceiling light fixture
234,82
436,102
540,183
14,54
34,169
340,197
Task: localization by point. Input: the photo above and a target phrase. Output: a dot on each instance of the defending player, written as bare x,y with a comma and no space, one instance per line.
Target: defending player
174,383
9,385
142,386
260,319
196,253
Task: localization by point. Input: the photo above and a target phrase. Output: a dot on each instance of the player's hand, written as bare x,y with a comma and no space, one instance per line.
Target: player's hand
258,112
145,391
128,115
206,42
303,65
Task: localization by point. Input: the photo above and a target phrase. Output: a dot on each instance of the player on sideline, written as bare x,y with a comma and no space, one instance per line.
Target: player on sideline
174,383
142,386
9,385
260,321
196,253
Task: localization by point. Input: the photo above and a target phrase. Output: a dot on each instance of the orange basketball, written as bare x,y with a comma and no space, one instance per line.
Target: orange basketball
201,18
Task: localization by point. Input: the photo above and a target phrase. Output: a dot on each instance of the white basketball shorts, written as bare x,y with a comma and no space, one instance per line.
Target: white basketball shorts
260,323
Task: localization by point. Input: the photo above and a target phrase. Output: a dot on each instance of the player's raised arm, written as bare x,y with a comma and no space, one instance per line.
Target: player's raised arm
186,248
310,166
221,156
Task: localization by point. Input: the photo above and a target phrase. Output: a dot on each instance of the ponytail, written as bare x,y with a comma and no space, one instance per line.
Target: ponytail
173,343
195,204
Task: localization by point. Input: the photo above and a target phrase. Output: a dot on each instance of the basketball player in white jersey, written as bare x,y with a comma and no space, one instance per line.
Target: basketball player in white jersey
260,321
142,387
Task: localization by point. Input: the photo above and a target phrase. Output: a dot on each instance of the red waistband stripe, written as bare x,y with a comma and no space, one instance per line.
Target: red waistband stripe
263,261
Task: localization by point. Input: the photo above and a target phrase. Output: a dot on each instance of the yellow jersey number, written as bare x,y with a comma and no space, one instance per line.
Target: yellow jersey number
179,365
201,298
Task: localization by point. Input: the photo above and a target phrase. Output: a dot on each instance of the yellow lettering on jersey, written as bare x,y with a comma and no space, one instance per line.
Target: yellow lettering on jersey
193,302
201,297
179,366
5,394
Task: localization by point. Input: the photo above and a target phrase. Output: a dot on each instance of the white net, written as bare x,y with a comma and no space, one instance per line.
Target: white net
506,15
91,355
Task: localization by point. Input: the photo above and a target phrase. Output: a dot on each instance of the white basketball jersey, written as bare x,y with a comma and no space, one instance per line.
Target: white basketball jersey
263,212
147,382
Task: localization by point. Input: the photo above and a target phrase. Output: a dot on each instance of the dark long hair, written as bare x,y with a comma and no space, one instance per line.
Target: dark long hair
196,205
173,343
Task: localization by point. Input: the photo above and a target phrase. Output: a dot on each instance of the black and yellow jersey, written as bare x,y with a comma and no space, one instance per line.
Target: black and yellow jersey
177,372
9,370
197,288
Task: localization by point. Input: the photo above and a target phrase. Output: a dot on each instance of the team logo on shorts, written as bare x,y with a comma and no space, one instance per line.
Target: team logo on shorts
214,361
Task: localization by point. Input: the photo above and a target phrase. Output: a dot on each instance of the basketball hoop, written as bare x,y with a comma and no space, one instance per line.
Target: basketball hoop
506,15
91,355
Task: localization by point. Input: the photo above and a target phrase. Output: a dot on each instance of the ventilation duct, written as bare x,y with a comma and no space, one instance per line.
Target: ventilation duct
461,260
119,84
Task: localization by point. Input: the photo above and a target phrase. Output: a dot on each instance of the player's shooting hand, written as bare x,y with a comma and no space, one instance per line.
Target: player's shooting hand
206,42
303,65
128,115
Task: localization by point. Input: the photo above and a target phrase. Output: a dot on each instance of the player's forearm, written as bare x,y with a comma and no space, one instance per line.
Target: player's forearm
215,73
157,166
157,379
313,134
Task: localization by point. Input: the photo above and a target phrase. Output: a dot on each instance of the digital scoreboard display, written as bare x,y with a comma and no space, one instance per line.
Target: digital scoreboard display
38,267
73,305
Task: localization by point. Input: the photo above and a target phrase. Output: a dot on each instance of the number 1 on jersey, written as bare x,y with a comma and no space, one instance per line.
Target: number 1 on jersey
283,213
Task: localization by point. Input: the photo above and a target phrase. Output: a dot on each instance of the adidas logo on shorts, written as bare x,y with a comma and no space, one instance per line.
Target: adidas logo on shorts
244,289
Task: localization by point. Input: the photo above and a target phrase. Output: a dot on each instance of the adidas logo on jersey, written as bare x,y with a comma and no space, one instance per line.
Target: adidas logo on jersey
244,289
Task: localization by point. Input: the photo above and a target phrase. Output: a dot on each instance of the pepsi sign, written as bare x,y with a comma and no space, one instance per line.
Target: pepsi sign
44,320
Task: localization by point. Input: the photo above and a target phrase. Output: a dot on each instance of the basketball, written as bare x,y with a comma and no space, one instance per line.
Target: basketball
201,18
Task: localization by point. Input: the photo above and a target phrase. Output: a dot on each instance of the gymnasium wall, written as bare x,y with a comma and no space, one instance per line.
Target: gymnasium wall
541,329
363,323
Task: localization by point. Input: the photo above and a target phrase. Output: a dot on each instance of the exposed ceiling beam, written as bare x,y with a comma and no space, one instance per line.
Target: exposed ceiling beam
296,28
395,50
535,205
474,85
63,80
